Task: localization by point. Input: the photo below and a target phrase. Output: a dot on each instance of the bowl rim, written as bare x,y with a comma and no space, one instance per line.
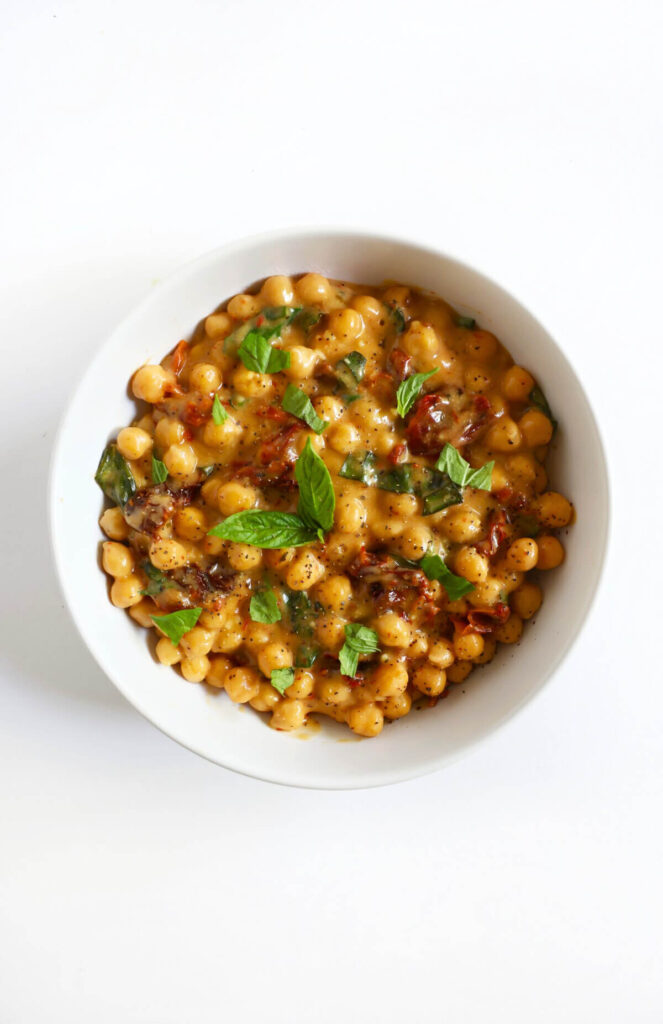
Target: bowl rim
287,777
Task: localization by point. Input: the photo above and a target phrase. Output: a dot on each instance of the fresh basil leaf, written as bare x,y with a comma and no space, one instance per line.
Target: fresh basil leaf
159,471
434,567
284,313
265,529
238,401
300,611
468,322
263,606
408,391
299,404
282,678
206,470
358,640
176,624
447,494
460,471
157,581
397,480
260,356
316,491
398,318
114,476
306,656
350,370
539,401
219,414
280,317
359,467
349,399
308,318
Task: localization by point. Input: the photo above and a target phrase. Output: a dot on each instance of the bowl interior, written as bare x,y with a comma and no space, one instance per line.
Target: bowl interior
237,737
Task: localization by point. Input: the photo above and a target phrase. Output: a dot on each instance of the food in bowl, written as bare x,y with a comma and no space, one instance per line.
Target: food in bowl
333,501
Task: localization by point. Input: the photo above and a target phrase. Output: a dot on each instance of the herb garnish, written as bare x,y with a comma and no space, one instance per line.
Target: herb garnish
296,402
358,640
263,606
159,470
114,476
408,391
176,624
219,414
316,491
460,471
282,678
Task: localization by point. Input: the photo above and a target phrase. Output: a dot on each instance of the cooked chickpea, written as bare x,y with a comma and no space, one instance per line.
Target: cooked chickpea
371,309
509,632
329,408
330,631
126,591
169,431
366,719
242,685
224,435
393,630
389,679
459,671
553,510
313,290
504,436
522,554
235,497
195,669
228,640
205,378
167,652
244,557
302,685
472,565
414,541
344,437
241,307
334,592
441,654
197,641
273,656
488,653
142,613
462,525
468,646
150,383
526,600
219,668
481,345
387,529
396,706
250,384
303,362
487,593
550,553
180,460
521,469
290,714
133,442
117,559
167,554
346,323
113,524
350,514
517,384
304,572
190,522
477,380
218,325
430,679
266,698
277,291
333,692
535,427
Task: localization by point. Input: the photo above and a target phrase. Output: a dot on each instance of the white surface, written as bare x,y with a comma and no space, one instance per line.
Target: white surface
142,884
216,728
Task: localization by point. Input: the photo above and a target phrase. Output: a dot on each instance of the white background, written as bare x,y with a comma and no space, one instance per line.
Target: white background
141,884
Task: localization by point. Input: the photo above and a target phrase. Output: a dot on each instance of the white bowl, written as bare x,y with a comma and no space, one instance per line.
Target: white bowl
237,737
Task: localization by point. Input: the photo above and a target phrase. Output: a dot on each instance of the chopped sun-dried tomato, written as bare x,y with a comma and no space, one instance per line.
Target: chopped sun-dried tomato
401,363
398,454
179,356
197,410
497,534
428,422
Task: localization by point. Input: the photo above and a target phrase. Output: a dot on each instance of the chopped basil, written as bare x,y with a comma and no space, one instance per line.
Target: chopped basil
301,612
359,467
398,318
308,318
358,640
282,678
539,401
465,321
434,567
286,314
263,606
296,402
448,494
219,414
157,581
460,471
408,391
159,471
260,356
306,656
316,491
265,529
176,624
114,476
206,470
526,525
280,316
350,370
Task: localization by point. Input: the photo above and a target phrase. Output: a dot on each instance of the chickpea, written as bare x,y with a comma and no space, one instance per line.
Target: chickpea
330,631
277,291
477,380
167,554
414,541
334,592
344,438
278,558
393,630
522,555
167,652
289,715
113,524
509,632
459,671
396,706
273,656
195,669
242,685
169,431
257,634
387,529
471,565
350,514
389,679
517,384
553,510
346,324
442,653
217,674
302,685
218,325
197,641
126,591
142,613
235,497
481,345
180,460
329,408
228,640
371,309
266,699
526,600
241,307
303,362
488,653
487,593
535,427
366,719
304,572
150,383
313,290
333,692
399,504
250,384
222,435
430,679
341,548
462,525
540,478
244,557
468,646
551,553
117,559
133,443
190,523
504,436
204,378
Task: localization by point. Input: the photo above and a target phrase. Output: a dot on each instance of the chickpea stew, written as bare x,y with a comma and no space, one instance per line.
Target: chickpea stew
333,500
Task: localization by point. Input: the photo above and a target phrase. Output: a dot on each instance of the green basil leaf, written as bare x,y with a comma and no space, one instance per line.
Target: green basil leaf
358,640
447,494
282,678
434,567
306,656
299,404
539,401
280,317
408,391
300,611
206,470
159,471
265,529
316,491
308,318
286,314
176,624
359,467
157,581
468,322
350,370
219,414
263,606
114,476
460,471
398,318
260,356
